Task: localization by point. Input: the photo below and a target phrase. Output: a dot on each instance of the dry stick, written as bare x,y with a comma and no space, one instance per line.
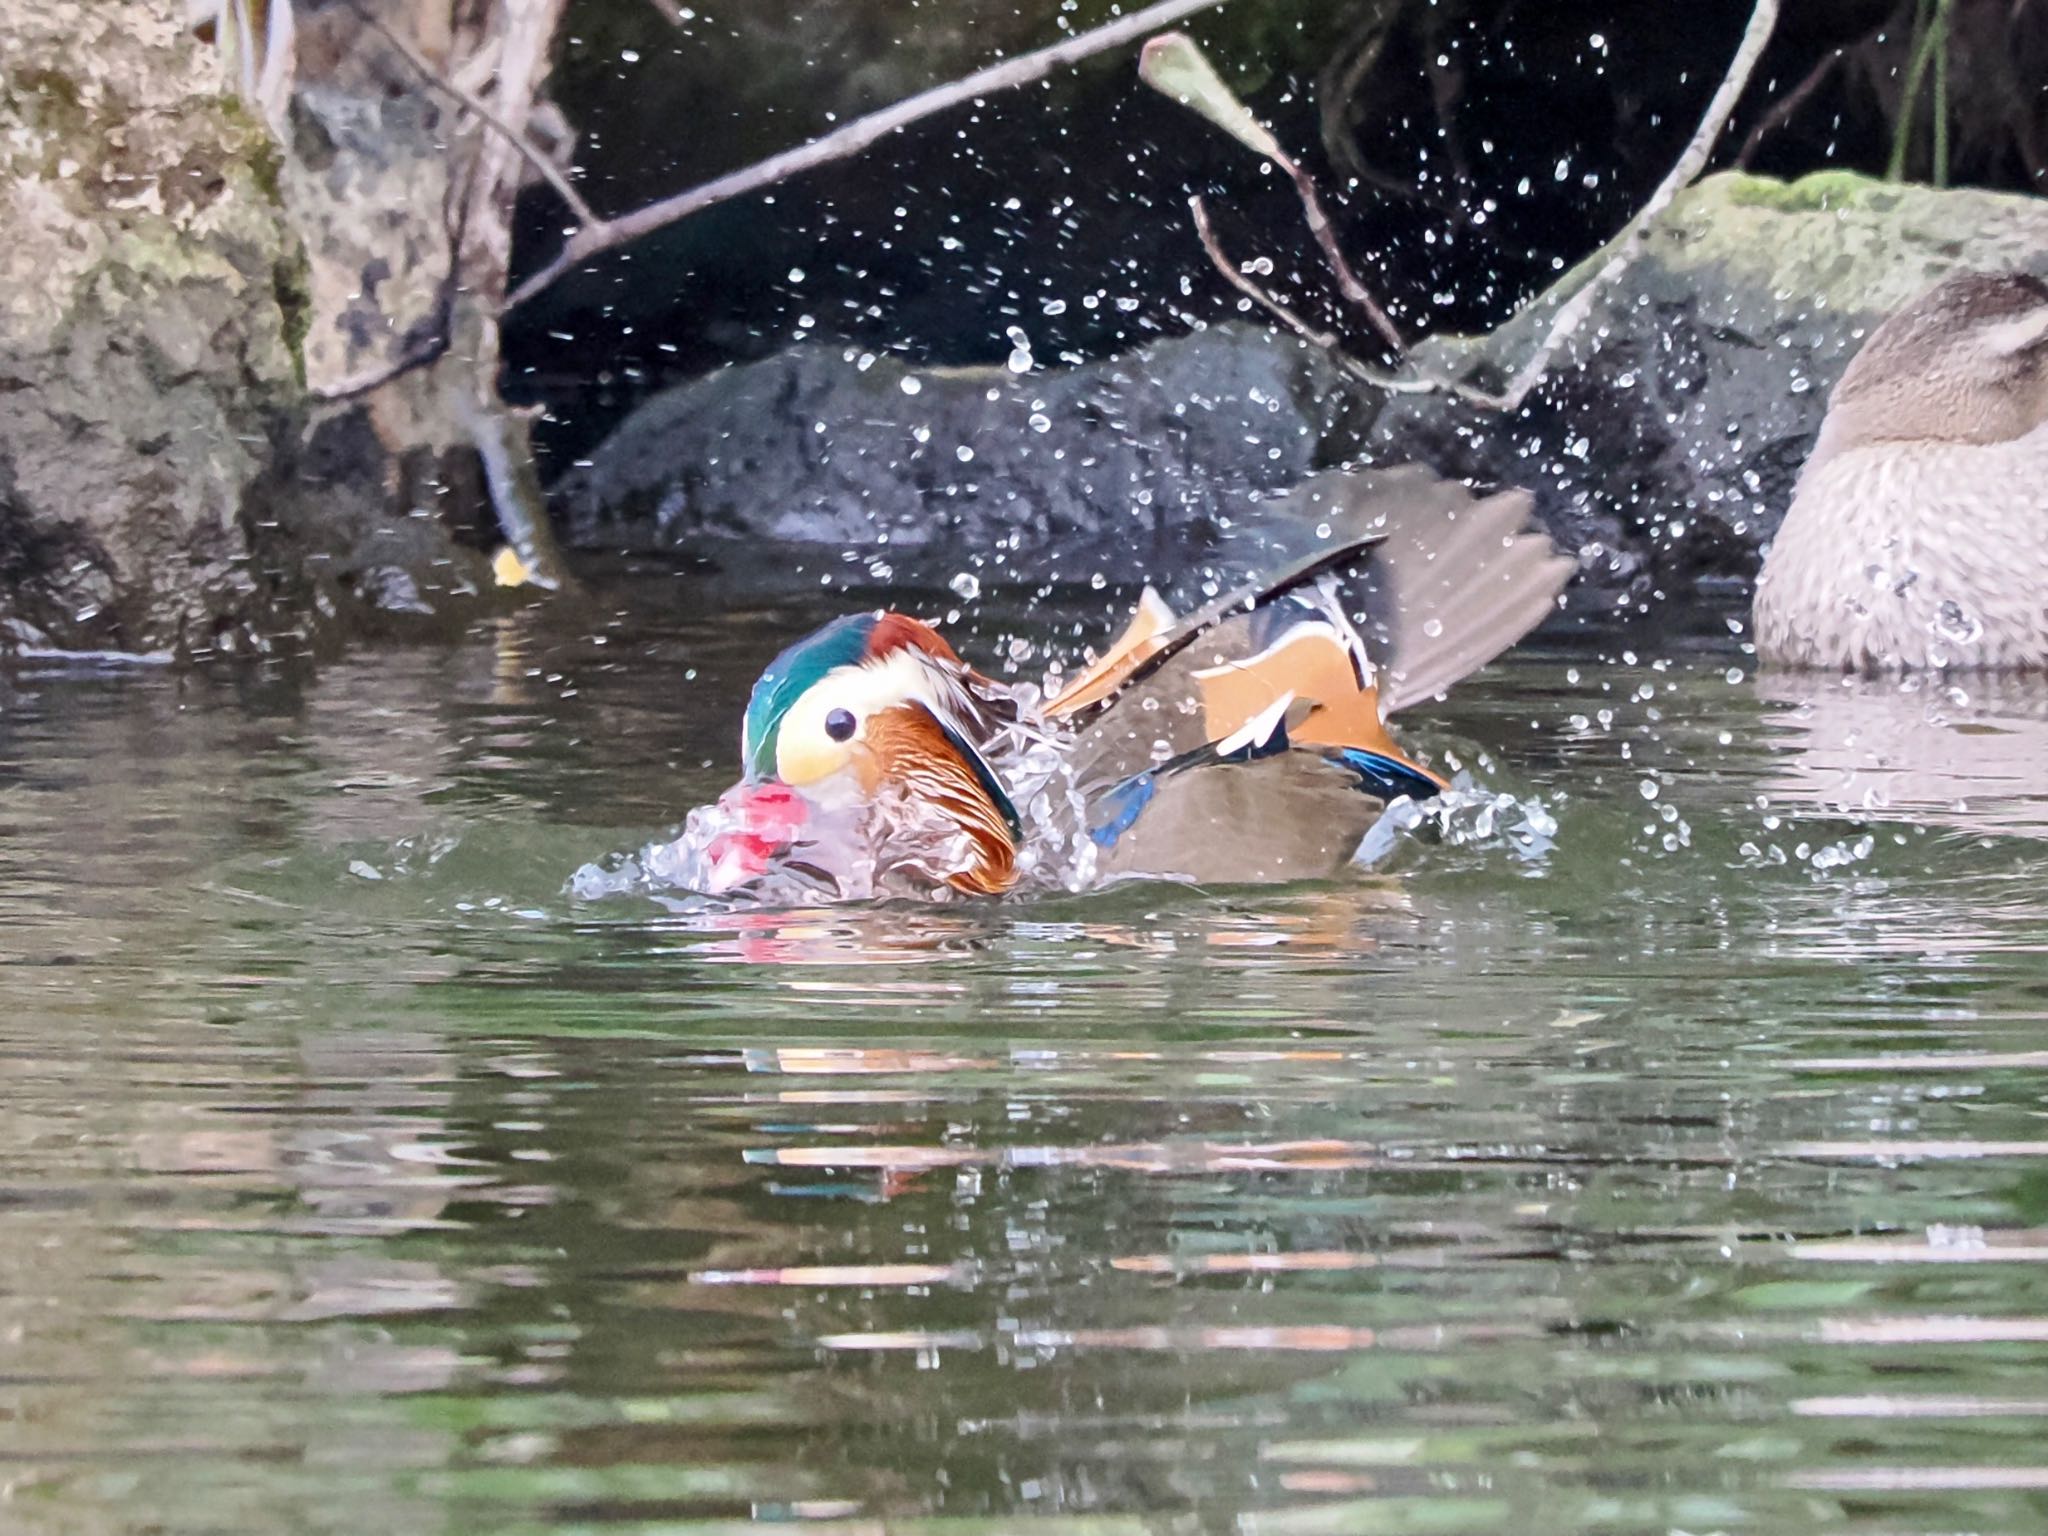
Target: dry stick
1392,383
1279,311
1347,280
528,150
600,235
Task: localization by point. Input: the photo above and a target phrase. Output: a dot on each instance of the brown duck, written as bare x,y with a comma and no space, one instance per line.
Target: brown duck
1918,534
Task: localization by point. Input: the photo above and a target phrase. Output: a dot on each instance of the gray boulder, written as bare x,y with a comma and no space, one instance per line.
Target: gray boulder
1664,444
167,484
146,299
1043,473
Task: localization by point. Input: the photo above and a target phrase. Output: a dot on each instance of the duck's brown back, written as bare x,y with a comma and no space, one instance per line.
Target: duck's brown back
1918,534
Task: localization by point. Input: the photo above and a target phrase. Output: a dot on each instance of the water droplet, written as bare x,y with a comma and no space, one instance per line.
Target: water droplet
1649,789
966,586
964,454
1953,624
911,386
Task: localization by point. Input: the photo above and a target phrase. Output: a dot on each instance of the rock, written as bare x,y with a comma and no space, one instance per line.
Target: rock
1665,442
1058,472
146,364
166,483
1662,447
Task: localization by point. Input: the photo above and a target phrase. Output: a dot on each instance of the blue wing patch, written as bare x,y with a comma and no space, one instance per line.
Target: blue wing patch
1126,801
1387,777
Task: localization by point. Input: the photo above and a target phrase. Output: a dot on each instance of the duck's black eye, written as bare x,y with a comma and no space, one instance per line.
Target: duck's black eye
839,725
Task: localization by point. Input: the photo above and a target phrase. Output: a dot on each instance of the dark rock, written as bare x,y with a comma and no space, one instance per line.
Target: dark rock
1064,472
1665,443
1662,447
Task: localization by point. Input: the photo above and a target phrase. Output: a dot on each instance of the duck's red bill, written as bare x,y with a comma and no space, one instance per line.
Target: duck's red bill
761,822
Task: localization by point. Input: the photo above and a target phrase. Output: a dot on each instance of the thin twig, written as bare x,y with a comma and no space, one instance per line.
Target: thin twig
528,150
600,235
1929,23
1941,101
1326,340
1781,114
1333,254
1628,245
1251,290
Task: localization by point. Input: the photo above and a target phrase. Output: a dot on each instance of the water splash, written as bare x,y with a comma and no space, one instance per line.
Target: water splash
1467,815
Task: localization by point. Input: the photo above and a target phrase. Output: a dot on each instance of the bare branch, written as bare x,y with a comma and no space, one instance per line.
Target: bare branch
1627,246
1796,98
1392,383
1333,254
503,441
1174,66
1251,290
600,235
376,377
528,151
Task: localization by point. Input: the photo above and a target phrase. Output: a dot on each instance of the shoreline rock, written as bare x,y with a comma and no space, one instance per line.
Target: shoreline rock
1108,466
1665,441
168,484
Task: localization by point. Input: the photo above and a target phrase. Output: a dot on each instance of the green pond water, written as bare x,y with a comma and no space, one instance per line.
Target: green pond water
1689,1174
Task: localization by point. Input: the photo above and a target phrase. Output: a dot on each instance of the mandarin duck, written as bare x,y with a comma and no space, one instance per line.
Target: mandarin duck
1244,743
1917,538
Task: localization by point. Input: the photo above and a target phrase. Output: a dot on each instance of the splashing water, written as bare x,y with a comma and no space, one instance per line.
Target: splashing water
764,843
1467,815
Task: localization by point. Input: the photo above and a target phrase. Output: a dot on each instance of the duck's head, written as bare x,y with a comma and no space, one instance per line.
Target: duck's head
877,709
1966,362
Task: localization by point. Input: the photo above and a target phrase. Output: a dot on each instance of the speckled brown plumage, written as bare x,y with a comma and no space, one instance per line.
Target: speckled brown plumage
1918,535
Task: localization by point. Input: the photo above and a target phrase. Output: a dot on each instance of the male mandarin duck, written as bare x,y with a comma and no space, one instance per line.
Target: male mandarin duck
1246,742
1918,533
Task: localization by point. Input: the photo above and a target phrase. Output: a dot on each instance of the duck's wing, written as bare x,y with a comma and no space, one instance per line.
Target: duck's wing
1141,640
1158,654
1439,582
1453,578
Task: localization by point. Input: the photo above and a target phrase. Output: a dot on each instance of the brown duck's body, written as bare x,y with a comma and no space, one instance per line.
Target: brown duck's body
1918,534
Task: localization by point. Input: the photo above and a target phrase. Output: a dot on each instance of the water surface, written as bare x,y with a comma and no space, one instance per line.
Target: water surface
1688,1174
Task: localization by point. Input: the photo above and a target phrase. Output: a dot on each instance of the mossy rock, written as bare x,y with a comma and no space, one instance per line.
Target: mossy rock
1664,443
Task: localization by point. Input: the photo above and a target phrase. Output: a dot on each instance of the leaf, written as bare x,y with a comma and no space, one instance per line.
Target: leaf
1172,65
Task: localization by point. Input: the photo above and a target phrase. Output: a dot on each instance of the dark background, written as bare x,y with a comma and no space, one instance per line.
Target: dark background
1490,144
